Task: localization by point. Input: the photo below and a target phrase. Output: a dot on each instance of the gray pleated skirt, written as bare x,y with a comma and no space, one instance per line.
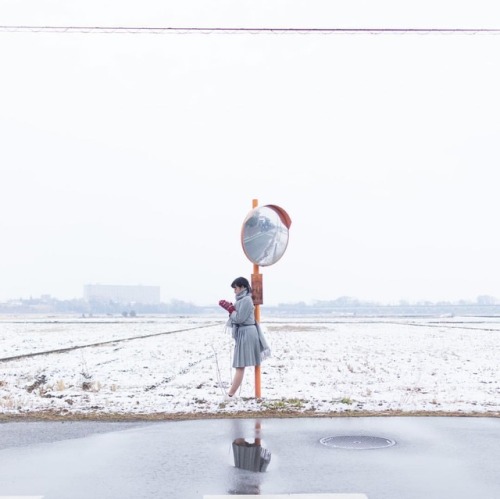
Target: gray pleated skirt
247,347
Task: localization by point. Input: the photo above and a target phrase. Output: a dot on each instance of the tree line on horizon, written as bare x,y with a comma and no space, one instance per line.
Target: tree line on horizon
484,304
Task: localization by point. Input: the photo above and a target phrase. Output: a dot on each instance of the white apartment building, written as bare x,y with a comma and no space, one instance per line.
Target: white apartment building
147,295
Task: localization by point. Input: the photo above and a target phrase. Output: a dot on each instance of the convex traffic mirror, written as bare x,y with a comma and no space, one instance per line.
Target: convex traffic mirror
264,235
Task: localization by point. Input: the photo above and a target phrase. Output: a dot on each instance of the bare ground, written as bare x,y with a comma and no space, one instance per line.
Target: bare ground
120,417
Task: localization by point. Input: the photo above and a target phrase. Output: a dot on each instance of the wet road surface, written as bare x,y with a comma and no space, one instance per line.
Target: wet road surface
426,457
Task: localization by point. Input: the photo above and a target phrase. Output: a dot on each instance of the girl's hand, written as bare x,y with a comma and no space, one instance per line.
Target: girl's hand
226,305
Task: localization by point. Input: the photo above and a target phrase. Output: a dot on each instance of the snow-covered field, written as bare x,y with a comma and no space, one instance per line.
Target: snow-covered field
322,365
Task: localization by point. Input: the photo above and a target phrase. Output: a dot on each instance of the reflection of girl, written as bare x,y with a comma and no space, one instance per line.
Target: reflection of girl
250,345
250,456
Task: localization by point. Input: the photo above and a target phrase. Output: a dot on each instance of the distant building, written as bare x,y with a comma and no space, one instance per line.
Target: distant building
147,295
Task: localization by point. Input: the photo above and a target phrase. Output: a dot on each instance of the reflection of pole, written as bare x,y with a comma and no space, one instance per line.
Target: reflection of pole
257,432
255,203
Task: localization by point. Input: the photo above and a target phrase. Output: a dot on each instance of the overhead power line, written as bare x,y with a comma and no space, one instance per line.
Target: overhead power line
257,31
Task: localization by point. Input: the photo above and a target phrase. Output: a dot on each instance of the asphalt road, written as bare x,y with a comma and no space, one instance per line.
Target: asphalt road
441,457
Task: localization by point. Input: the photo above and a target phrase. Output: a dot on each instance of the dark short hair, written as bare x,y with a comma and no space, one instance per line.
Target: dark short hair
241,282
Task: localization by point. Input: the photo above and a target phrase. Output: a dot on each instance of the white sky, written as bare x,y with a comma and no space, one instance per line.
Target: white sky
133,159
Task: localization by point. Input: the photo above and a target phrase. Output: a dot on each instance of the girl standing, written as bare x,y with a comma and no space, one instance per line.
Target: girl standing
250,345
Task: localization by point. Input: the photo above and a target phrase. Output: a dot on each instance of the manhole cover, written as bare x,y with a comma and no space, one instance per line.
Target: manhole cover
357,442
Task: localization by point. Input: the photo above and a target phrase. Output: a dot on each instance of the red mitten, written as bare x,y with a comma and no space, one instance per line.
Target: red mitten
226,305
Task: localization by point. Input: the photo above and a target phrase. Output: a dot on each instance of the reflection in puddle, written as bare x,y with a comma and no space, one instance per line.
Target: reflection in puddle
252,457
251,460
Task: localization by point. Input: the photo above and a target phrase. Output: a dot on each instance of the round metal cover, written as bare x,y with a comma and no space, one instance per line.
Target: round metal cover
357,442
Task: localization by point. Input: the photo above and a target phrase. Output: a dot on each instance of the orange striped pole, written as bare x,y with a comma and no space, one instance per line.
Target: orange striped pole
255,203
